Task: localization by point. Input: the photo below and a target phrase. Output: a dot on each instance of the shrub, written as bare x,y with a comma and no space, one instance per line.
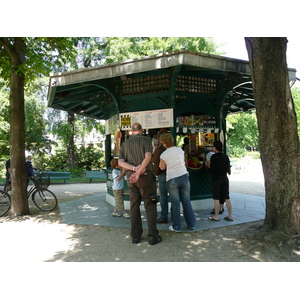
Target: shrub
87,158
237,152
77,172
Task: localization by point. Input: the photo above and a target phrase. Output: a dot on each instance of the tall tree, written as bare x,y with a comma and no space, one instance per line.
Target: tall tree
21,61
278,137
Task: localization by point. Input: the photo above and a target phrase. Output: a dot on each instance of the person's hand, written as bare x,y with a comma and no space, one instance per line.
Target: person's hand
139,170
134,177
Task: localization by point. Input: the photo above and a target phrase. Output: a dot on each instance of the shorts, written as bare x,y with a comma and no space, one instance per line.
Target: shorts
119,202
220,189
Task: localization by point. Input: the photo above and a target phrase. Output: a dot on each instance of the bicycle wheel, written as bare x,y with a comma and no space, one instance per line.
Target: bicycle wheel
44,200
4,203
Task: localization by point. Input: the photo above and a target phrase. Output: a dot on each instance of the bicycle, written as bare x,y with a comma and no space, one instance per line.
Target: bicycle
5,200
43,198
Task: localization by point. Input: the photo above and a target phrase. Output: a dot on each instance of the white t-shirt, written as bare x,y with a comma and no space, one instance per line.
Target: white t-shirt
174,159
209,155
117,185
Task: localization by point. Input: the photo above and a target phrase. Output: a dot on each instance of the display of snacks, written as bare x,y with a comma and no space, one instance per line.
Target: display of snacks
193,162
204,121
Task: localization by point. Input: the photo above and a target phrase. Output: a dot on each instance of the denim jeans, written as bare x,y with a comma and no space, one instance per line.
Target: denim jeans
163,196
179,190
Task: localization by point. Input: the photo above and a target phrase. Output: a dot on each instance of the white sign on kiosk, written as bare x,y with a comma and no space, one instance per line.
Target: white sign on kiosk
160,118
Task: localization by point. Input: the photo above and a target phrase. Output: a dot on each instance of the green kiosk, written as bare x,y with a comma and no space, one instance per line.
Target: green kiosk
185,93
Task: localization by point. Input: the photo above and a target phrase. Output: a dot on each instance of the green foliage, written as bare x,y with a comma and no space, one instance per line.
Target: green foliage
296,97
35,125
36,140
242,133
4,122
42,53
77,172
87,158
234,151
254,154
123,48
52,162
90,158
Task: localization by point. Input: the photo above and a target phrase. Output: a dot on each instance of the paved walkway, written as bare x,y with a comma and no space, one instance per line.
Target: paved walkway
94,210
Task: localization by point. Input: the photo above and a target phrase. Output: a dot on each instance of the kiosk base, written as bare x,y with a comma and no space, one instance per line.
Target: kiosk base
201,204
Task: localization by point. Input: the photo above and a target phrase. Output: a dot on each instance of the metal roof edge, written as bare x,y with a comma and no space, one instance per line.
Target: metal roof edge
149,63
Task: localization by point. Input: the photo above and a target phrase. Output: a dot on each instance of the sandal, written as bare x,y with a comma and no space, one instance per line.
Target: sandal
220,212
213,219
227,219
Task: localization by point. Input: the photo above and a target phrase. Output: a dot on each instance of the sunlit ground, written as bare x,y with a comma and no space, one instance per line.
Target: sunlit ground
41,237
32,241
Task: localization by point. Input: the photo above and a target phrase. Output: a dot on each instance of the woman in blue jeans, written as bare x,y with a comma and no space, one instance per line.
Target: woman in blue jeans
178,183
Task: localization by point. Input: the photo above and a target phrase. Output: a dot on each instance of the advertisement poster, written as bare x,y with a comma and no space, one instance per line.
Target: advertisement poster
207,138
112,124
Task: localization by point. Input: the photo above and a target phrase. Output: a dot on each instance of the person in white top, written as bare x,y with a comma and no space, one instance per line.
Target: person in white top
178,183
208,157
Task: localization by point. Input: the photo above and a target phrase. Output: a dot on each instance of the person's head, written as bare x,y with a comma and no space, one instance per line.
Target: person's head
161,131
136,128
186,140
167,140
29,157
218,146
114,163
159,134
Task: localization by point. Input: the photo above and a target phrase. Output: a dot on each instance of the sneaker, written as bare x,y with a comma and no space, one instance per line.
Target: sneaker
172,229
126,216
116,214
192,228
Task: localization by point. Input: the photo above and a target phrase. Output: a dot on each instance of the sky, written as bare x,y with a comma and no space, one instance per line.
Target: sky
235,47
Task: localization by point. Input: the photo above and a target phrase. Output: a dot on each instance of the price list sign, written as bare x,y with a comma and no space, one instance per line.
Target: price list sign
160,118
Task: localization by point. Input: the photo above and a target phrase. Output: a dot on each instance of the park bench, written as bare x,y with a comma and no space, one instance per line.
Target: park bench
95,174
58,175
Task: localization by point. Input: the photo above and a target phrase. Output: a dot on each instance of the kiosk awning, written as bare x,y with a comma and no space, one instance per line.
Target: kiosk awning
103,91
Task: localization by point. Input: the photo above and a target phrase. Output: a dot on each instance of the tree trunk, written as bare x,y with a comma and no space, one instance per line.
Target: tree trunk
19,205
71,144
278,137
